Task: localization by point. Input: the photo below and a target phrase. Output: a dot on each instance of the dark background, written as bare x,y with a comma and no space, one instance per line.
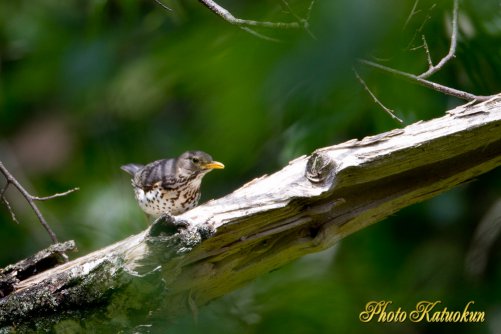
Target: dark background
86,86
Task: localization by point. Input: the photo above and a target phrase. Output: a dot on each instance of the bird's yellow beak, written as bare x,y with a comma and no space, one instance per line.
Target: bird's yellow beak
213,165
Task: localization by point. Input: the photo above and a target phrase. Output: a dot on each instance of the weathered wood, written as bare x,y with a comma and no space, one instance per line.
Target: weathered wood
43,260
306,207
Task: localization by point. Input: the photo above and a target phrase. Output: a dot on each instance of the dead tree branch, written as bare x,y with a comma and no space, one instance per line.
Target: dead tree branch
421,79
228,17
429,84
376,100
45,259
308,206
452,49
161,4
29,198
248,25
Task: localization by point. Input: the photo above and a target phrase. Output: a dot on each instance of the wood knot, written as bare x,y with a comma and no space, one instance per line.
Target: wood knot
167,225
319,167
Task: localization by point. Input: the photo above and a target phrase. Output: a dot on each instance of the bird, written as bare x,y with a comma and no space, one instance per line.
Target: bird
170,186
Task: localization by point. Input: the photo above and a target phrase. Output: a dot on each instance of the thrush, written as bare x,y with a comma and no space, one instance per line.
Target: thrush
170,186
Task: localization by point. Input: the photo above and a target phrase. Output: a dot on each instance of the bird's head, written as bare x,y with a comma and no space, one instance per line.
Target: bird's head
196,162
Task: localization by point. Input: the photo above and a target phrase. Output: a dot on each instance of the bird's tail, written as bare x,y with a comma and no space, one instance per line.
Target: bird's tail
131,168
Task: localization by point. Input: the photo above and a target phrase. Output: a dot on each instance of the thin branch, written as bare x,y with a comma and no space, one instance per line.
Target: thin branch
67,192
421,27
7,204
308,12
388,111
484,238
290,11
30,199
258,35
452,49
302,21
412,13
246,24
421,79
161,4
228,17
429,84
427,51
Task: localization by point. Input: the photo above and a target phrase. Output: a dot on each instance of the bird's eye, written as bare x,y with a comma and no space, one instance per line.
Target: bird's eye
195,160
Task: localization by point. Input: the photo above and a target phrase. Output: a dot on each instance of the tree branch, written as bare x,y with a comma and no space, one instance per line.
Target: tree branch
30,199
45,259
247,24
376,100
228,17
161,4
7,203
452,49
308,206
429,84
421,79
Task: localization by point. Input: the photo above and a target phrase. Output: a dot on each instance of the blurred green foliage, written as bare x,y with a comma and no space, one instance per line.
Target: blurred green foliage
86,86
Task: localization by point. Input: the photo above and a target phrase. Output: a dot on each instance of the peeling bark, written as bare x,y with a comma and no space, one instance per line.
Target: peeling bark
306,207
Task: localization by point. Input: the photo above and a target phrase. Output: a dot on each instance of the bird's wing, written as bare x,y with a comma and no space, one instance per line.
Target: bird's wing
160,171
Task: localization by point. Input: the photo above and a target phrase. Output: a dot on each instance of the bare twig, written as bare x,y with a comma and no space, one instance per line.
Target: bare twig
308,13
388,111
258,35
429,84
421,26
452,49
427,51
247,24
7,204
228,17
421,79
30,199
67,192
290,11
412,13
302,21
161,4
484,238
